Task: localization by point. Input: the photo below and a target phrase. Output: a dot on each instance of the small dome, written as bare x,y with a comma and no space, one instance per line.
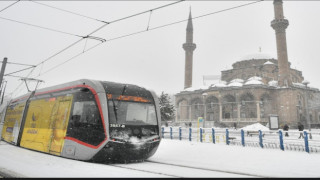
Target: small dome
268,62
237,80
254,81
220,84
255,78
237,84
305,82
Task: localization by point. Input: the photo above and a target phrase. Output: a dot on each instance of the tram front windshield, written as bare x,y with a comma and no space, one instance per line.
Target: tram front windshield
131,113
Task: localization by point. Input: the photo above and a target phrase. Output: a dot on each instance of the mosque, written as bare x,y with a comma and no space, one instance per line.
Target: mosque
258,89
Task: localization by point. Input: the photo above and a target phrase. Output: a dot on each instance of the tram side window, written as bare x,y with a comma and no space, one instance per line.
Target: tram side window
85,122
86,114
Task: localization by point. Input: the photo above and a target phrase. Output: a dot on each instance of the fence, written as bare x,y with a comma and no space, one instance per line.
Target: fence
308,141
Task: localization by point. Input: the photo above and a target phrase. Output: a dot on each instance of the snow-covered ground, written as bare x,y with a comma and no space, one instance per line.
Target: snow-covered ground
19,162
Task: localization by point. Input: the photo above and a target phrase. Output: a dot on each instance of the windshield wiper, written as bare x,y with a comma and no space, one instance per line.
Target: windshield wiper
115,109
123,91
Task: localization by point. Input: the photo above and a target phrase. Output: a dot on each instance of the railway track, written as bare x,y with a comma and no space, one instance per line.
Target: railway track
179,171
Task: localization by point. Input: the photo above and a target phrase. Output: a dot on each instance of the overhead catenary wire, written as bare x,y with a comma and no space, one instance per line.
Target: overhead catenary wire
41,27
117,20
74,13
19,64
149,20
149,29
134,33
89,36
9,6
137,14
19,71
11,94
204,15
77,55
177,22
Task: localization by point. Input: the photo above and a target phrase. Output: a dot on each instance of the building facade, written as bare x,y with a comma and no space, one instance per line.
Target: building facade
256,88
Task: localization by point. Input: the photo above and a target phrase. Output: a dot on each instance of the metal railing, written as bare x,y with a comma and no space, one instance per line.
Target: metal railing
307,141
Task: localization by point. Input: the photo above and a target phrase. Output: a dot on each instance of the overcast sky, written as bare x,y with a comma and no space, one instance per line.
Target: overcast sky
154,58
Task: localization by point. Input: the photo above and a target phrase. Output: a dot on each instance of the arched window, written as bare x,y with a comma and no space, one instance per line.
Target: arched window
212,108
183,110
265,105
197,108
229,107
248,107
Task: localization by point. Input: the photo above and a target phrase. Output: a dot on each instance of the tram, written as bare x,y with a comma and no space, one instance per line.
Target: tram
87,120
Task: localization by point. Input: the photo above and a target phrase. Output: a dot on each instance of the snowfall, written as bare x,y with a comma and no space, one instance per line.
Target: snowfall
241,161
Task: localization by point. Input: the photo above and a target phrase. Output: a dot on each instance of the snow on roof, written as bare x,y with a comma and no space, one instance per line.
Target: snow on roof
268,62
189,89
255,127
273,83
196,88
304,86
220,84
238,84
237,80
253,82
299,84
255,78
258,55
203,87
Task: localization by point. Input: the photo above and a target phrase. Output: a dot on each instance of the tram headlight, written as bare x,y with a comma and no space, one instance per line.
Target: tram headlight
146,132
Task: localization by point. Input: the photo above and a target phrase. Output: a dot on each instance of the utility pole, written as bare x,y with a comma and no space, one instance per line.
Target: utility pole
3,67
4,89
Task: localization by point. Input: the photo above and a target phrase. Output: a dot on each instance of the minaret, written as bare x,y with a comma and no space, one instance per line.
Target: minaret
189,47
279,24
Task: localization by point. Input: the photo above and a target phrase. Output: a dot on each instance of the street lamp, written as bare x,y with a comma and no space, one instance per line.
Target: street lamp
204,95
306,102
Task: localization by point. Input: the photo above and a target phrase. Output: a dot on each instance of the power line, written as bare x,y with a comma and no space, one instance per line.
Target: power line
69,11
127,35
20,83
89,35
19,71
64,49
20,64
137,14
139,32
41,27
177,22
9,6
84,51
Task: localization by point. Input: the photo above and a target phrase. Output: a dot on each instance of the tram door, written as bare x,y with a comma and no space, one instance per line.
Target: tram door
59,123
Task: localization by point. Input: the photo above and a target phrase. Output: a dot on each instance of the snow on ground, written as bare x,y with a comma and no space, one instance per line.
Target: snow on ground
255,127
251,160
247,160
21,162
